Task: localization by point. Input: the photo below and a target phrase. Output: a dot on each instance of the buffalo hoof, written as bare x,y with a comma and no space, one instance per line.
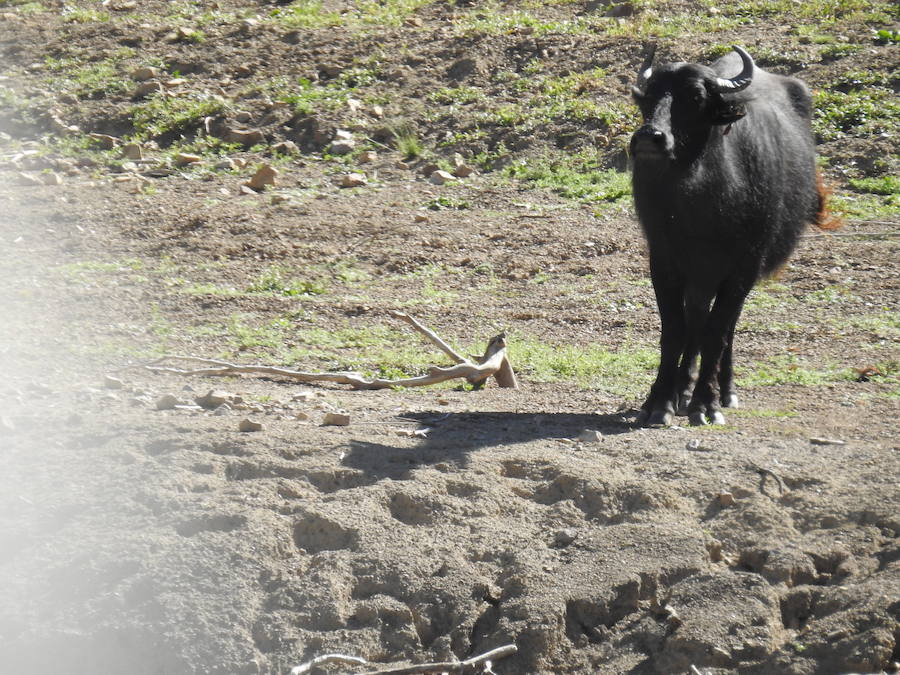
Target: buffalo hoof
699,419
659,418
730,400
684,400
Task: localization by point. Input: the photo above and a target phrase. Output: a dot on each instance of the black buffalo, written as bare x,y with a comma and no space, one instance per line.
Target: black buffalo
724,180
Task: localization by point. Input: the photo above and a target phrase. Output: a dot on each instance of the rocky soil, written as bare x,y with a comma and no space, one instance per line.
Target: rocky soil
143,532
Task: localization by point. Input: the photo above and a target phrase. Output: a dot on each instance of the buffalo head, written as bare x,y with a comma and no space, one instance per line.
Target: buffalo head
680,103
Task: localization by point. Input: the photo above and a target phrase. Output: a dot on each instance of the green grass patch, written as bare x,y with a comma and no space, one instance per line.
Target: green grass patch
276,281
884,185
313,14
788,369
71,14
161,114
628,371
576,176
866,112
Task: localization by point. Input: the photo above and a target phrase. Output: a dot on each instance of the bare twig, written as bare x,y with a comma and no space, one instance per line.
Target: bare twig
440,667
326,658
762,471
451,666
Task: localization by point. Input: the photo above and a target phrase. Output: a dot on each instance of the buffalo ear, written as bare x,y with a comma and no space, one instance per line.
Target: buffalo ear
727,112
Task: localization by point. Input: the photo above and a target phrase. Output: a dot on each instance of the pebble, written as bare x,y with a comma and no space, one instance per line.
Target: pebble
725,499
590,436
815,440
132,151
368,156
565,536
166,402
697,446
213,399
111,382
336,419
440,177
145,89
106,142
303,396
285,148
351,180
248,424
223,409
51,178
463,171
144,73
342,147
226,164
184,159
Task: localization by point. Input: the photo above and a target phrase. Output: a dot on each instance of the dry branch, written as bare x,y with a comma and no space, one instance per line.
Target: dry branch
494,363
439,667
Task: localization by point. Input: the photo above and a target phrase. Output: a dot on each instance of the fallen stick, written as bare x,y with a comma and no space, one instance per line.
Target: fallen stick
440,667
451,666
494,363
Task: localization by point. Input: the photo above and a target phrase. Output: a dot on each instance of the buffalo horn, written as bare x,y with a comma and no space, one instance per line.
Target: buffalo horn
740,81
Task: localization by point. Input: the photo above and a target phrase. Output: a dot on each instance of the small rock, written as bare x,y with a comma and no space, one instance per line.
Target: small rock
463,171
285,148
248,424
429,169
301,416
303,396
27,179
146,89
223,409
226,164
672,617
342,147
132,151
144,73
565,536
166,402
440,177
246,137
111,382
377,111
421,218
354,104
279,199
265,175
247,190
368,156
213,399
590,436
184,159
51,178
725,499
336,420
351,180
695,445
106,142
815,440
343,135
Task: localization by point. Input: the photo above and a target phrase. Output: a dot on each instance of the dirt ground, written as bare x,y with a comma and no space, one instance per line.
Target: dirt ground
440,523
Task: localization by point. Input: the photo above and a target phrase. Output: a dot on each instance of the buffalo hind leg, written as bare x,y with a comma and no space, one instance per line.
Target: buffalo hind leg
705,403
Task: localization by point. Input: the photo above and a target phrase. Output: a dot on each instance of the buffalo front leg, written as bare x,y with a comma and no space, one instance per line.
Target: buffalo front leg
661,403
705,403
727,395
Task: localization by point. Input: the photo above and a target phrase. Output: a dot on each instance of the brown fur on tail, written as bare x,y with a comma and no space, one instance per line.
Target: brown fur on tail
824,218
